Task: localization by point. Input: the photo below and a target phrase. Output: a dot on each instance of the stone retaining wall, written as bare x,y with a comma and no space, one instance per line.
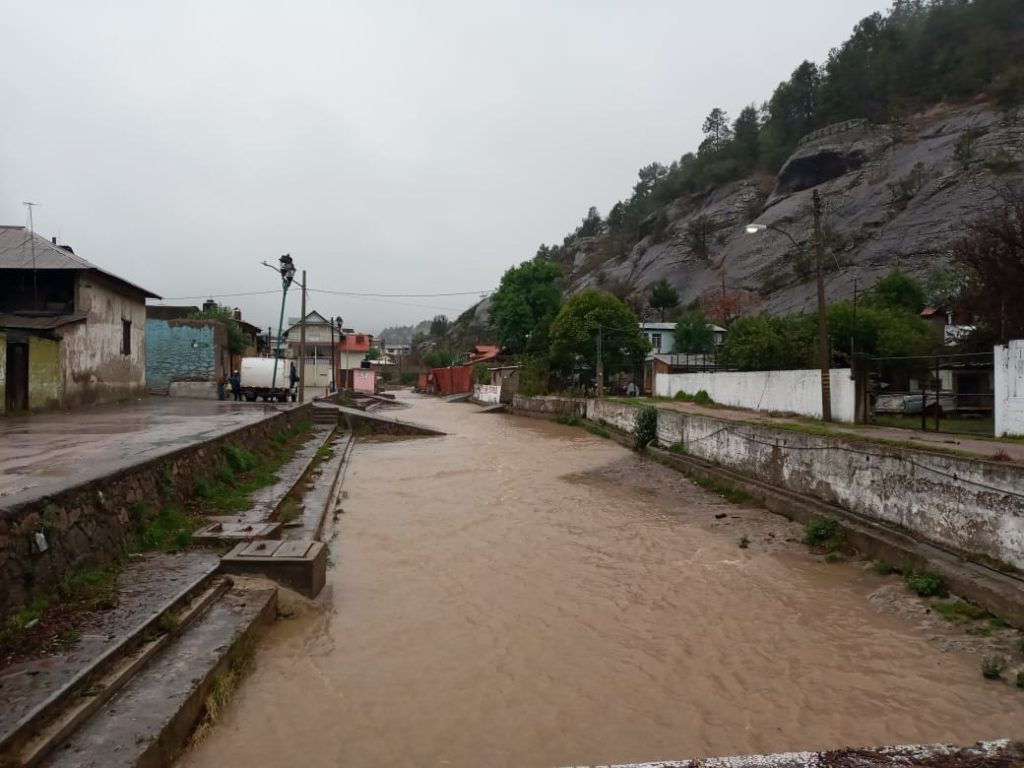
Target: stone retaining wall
549,407
970,506
89,525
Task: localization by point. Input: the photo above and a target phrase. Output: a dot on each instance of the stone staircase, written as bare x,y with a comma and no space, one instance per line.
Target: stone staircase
133,686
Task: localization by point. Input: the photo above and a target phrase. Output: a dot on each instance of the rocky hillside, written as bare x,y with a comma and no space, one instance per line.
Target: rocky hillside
891,195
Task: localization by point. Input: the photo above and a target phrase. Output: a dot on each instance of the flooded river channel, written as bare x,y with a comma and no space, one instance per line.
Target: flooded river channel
520,593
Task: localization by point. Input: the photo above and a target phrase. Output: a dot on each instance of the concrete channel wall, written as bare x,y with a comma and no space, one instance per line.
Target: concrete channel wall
89,525
970,506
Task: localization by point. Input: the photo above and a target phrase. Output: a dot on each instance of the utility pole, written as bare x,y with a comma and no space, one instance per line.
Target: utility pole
600,367
302,344
824,351
32,246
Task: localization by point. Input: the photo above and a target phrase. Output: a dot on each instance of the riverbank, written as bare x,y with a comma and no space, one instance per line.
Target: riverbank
519,592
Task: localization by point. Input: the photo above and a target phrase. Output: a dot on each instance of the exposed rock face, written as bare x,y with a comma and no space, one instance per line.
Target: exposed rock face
892,195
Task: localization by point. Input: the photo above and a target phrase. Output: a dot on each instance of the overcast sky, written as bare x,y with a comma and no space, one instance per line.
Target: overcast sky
391,147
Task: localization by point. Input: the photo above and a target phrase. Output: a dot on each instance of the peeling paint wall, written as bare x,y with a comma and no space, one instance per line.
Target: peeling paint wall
95,370
184,351
1009,388
45,382
971,506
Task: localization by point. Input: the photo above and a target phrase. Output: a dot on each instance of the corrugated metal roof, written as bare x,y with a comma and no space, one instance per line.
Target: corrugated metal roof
168,312
20,249
39,323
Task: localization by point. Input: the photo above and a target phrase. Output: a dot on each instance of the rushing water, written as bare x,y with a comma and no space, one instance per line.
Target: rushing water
520,593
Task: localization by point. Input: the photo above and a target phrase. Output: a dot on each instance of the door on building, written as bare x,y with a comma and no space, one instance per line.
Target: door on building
16,395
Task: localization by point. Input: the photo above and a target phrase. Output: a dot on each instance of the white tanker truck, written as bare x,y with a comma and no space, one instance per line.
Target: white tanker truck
258,380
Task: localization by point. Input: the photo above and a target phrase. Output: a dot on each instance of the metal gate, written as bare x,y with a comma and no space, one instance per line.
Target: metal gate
942,393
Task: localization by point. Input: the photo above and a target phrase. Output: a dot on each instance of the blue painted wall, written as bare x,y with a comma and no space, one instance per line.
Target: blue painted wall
179,350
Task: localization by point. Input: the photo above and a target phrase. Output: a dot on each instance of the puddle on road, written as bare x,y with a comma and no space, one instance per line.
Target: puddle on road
519,593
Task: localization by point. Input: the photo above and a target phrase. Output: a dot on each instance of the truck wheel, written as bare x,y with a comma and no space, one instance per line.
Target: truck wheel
250,398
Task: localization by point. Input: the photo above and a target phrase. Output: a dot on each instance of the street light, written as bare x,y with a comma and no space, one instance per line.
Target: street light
287,271
334,322
824,350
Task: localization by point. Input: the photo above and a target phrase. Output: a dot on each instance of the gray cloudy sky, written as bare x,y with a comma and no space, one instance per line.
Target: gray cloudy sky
391,147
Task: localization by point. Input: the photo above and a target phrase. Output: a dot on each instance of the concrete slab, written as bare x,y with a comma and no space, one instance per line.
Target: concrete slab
42,454
146,588
298,565
230,533
149,721
319,500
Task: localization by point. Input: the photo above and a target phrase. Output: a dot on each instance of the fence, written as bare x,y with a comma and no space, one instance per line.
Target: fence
947,393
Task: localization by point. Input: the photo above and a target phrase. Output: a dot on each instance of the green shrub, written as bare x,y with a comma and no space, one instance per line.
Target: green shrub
1020,679
992,667
239,459
1020,643
744,542
926,584
645,427
569,421
597,431
703,398
820,531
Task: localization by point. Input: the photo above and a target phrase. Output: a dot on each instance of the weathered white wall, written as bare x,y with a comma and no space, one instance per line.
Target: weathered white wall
1009,388
782,391
487,393
974,507
197,390
94,369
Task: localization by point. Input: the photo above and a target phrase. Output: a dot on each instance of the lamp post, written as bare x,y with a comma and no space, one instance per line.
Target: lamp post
287,271
824,351
335,322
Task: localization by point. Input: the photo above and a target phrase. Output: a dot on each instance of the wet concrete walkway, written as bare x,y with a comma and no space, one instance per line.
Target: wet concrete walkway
42,454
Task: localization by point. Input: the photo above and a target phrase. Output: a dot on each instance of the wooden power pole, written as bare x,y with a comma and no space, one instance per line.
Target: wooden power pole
302,344
824,349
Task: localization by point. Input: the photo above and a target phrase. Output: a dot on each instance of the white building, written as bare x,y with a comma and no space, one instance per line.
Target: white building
662,336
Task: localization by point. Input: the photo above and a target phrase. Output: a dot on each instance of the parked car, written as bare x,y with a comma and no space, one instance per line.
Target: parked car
906,404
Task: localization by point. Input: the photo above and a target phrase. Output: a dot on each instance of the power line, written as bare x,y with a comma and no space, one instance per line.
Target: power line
353,294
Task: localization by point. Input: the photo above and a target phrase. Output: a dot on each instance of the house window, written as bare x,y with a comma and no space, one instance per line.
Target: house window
656,341
126,337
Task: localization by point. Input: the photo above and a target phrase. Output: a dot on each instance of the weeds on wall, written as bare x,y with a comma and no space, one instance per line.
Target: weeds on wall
645,429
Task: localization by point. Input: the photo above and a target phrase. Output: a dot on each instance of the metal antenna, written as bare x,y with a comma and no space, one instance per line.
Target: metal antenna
32,241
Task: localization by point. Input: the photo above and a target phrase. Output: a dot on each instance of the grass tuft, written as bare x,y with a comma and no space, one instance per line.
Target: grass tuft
992,667
926,584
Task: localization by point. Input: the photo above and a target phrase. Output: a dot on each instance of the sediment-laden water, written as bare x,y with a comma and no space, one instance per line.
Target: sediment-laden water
520,593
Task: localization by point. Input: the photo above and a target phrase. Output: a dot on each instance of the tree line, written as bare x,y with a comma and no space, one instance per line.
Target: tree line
917,54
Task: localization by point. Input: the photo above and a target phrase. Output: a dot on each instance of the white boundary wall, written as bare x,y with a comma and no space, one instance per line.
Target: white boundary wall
783,391
487,393
1009,388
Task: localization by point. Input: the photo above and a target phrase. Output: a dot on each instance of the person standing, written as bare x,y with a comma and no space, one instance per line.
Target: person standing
236,385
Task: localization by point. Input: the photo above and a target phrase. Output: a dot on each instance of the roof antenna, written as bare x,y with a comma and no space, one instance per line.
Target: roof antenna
32,240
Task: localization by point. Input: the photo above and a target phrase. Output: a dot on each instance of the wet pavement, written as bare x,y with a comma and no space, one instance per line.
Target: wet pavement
521,593
42,454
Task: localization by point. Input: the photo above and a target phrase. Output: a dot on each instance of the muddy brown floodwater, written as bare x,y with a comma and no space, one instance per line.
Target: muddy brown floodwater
520,593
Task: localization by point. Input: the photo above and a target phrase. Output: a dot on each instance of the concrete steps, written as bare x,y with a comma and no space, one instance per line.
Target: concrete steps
149,721
47,697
